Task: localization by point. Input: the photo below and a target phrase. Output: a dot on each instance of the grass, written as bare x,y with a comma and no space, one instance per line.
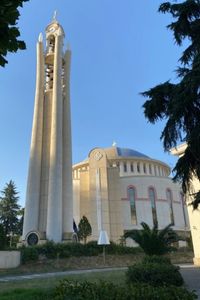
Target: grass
21,294
43,288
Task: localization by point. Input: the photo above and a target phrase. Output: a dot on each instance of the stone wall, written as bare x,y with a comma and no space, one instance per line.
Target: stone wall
9,259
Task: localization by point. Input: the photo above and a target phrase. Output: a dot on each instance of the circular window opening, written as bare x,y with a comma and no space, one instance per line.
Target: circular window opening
32,239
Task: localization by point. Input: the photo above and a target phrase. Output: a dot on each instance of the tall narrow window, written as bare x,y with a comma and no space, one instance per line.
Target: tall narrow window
152,198
125,167
159,171
150,170
144,168
183,207
131,198
138,167
132,168
155,171
169,200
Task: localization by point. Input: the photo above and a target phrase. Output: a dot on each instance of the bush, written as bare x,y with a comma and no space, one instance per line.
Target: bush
49,249
74,290
156,259
52,250
29,254
121,250
154,274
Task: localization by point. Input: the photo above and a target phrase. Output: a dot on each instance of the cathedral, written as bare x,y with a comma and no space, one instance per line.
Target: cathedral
115,188
118,188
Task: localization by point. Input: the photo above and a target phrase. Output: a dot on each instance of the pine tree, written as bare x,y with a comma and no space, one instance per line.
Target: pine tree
3,238
179,103
9,209
84,229
9,33
21,221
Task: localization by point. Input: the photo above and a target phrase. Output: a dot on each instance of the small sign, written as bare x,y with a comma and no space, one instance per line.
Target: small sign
103,238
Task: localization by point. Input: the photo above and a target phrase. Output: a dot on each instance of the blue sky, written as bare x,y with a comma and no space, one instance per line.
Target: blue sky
119,49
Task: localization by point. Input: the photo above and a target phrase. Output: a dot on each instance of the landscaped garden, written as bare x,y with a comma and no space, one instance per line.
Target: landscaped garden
161,280
150,273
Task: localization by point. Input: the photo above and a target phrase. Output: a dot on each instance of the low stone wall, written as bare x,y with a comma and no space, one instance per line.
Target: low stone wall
9,259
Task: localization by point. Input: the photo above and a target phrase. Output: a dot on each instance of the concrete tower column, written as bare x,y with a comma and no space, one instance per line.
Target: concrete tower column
67,153
33,183
54,210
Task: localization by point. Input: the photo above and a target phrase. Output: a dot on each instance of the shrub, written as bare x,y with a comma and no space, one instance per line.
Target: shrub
29,254
49,249
52,250
121,250
154,241
155,259
108,291
154,274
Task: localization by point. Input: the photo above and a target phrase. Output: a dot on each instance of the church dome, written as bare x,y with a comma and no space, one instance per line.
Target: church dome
126,152
118,152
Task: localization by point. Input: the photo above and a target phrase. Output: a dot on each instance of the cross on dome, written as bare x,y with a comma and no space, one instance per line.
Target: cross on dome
55,15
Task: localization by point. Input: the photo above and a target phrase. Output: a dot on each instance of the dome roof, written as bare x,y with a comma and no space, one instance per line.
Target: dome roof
125,152
114,152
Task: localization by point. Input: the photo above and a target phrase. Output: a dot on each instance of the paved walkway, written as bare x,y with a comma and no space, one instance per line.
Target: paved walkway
190,274
55,274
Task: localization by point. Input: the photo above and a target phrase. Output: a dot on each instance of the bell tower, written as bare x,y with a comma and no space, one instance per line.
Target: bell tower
49,203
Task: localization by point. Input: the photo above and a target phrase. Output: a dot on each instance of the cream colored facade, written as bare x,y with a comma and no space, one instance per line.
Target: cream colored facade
49,203
194,215
115,189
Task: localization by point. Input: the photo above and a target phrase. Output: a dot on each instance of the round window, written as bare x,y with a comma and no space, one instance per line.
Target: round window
32,239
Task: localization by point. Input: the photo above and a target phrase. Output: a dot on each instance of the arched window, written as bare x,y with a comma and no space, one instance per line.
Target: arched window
169,200
50,47
152,198
132,198
183,207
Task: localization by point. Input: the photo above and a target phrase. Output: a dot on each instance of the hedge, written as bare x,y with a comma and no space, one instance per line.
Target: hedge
154,274
52,250
74,290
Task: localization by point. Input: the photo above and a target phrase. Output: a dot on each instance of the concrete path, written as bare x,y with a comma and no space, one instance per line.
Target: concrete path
55,274
190,274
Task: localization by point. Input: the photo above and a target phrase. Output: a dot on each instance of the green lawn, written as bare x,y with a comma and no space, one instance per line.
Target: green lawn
37,289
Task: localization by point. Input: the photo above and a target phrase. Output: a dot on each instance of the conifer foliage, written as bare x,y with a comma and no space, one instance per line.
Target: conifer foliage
9,32
9,209
179,103
84,229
